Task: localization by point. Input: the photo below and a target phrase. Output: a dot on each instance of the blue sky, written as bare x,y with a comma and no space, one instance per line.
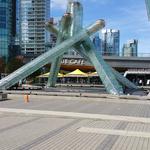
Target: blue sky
129,16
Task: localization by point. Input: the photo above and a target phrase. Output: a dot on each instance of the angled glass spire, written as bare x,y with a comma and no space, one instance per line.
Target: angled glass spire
148,7
72,35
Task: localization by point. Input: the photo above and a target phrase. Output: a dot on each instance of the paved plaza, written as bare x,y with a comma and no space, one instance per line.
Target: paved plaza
74,123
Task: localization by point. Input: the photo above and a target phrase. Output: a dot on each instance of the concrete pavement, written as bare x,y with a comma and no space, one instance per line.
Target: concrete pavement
74,123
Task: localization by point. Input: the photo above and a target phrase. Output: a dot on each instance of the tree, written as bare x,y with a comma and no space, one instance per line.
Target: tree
14,64
2,65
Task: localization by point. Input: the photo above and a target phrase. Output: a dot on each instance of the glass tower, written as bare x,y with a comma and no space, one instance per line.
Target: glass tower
97,42
7,26
110,42
33,15
148,7
130,49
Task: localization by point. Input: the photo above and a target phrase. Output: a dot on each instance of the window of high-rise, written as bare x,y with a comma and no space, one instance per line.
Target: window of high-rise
7,26
110,42
33,15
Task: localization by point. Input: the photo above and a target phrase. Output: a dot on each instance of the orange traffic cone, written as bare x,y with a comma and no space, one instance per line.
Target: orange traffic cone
26,98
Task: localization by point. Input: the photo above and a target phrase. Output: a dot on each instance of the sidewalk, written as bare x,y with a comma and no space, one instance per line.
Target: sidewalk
74,123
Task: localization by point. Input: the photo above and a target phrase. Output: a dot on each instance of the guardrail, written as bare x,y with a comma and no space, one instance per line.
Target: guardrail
112,54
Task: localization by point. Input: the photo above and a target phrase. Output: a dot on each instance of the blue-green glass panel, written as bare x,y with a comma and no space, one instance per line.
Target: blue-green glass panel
148,7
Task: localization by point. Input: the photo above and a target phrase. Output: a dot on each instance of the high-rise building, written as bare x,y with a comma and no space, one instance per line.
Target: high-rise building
7,27
34,37
148,7
130,49
53,37
17,23
110,42
98,44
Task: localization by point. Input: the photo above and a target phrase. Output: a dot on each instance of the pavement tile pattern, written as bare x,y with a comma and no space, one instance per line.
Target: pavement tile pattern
41,132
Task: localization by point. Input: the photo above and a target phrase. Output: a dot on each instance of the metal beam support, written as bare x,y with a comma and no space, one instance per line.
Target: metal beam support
124,81
71,35
88,50
71,24
49,56
62,35
107,77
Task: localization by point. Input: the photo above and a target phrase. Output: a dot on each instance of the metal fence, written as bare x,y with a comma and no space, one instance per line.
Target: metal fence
112,54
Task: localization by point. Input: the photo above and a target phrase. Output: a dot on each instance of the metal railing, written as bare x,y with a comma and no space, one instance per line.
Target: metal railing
117,55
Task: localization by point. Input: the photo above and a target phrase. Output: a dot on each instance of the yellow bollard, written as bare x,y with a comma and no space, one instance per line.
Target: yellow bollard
26,98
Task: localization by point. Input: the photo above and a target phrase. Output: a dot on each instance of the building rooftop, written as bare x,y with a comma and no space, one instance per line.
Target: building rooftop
109,30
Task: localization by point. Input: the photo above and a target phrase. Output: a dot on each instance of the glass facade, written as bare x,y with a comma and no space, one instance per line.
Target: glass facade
110,42
17,22
33,15
148,7
6,27
97,42
130,49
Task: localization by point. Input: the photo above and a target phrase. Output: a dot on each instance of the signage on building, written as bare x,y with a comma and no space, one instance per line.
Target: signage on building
73,61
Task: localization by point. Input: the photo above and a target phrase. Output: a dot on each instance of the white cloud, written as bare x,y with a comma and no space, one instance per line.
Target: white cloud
133,25
59,4
102,2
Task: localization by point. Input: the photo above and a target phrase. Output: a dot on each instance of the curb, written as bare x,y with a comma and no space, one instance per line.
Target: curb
88,95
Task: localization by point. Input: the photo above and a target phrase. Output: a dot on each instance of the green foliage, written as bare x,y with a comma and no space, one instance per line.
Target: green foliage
2,65
14,64
35,74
